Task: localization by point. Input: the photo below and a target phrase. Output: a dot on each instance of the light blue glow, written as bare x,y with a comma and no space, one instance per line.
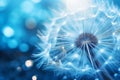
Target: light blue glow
12,43
36,1
3,4
118,69
65,77
24,47
8,31
96,79
115,74
27,6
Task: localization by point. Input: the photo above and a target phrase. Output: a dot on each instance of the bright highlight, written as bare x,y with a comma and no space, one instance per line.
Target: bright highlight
8,31
76,5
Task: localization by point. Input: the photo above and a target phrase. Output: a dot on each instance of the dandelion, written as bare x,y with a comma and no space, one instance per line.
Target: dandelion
82,41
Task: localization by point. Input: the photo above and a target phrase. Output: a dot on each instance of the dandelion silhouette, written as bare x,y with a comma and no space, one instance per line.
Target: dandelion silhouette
83,42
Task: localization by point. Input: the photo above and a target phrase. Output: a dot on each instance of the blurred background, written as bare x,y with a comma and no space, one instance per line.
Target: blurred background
19,22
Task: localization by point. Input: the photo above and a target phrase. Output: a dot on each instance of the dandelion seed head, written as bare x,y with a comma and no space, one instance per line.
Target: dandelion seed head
76,39
86,39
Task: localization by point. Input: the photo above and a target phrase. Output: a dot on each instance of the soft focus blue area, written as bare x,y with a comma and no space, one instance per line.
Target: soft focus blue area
24,47
19,22
12,44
